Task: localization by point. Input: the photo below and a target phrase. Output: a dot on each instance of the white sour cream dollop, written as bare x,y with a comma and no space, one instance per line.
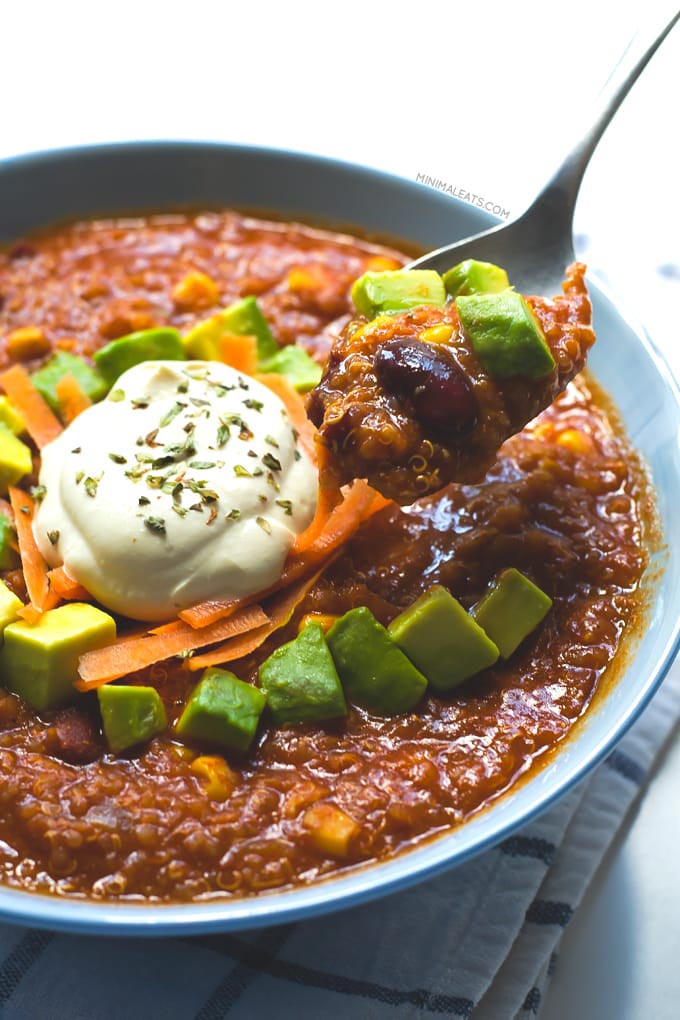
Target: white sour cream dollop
187,483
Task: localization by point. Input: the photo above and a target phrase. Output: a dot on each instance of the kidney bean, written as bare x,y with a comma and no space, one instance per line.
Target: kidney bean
428,376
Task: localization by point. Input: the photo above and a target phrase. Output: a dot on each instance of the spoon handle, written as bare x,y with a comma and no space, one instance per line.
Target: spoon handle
556,201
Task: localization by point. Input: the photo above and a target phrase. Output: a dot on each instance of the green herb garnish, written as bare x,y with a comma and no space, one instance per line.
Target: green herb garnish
91,485
155,524
176,409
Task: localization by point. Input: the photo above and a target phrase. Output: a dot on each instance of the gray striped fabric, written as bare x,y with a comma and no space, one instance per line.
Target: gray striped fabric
480,942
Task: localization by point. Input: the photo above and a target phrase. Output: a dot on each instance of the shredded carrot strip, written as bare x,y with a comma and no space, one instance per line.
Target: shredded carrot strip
280,610
360,503
71,397
166,628
240,352
66,587
98,667
32,563
328,498
30,614
295,406
43,426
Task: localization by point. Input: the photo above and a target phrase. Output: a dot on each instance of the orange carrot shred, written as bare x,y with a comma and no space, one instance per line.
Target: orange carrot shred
328,498
280,610
33,565
66,587
30,614
71,397
240,352
42,424
295,406
127,656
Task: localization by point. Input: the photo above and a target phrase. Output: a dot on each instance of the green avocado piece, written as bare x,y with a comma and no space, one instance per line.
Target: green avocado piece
375,673
473,277
301,682
442,639
505,335
222,710
397,290
60,364
10,604
244,318
301,371
7,555
39,661
130,715
509,611
160,344
15,458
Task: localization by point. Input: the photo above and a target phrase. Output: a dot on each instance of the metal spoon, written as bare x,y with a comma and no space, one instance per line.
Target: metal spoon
536,247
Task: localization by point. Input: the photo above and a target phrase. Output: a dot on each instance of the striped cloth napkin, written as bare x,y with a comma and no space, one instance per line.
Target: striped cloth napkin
480,941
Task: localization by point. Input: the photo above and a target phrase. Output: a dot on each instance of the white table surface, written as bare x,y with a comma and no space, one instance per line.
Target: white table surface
494,88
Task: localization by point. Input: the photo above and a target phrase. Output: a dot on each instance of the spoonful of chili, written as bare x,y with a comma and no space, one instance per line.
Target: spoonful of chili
445,359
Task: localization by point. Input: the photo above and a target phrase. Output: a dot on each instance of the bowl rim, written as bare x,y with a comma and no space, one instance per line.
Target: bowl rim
411,866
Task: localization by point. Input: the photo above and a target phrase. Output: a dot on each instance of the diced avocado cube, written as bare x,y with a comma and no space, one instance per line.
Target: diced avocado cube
7,555
15,458
443,641
294,362
374,671
10,417
222,710
505,334
301,682
10,604
509,611
130,715
60,364
244,318
473,277
161,344
397,290
40,661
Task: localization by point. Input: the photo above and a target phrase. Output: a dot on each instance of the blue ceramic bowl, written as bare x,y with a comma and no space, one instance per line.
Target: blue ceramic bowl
38,190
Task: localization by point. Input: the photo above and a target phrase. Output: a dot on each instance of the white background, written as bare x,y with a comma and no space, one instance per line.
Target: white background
484,96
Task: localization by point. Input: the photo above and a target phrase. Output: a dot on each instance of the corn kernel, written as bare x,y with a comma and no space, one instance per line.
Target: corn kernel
217,779
575,441
196,290
312,277
439,334
330,828
325,621
381,264
27,342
